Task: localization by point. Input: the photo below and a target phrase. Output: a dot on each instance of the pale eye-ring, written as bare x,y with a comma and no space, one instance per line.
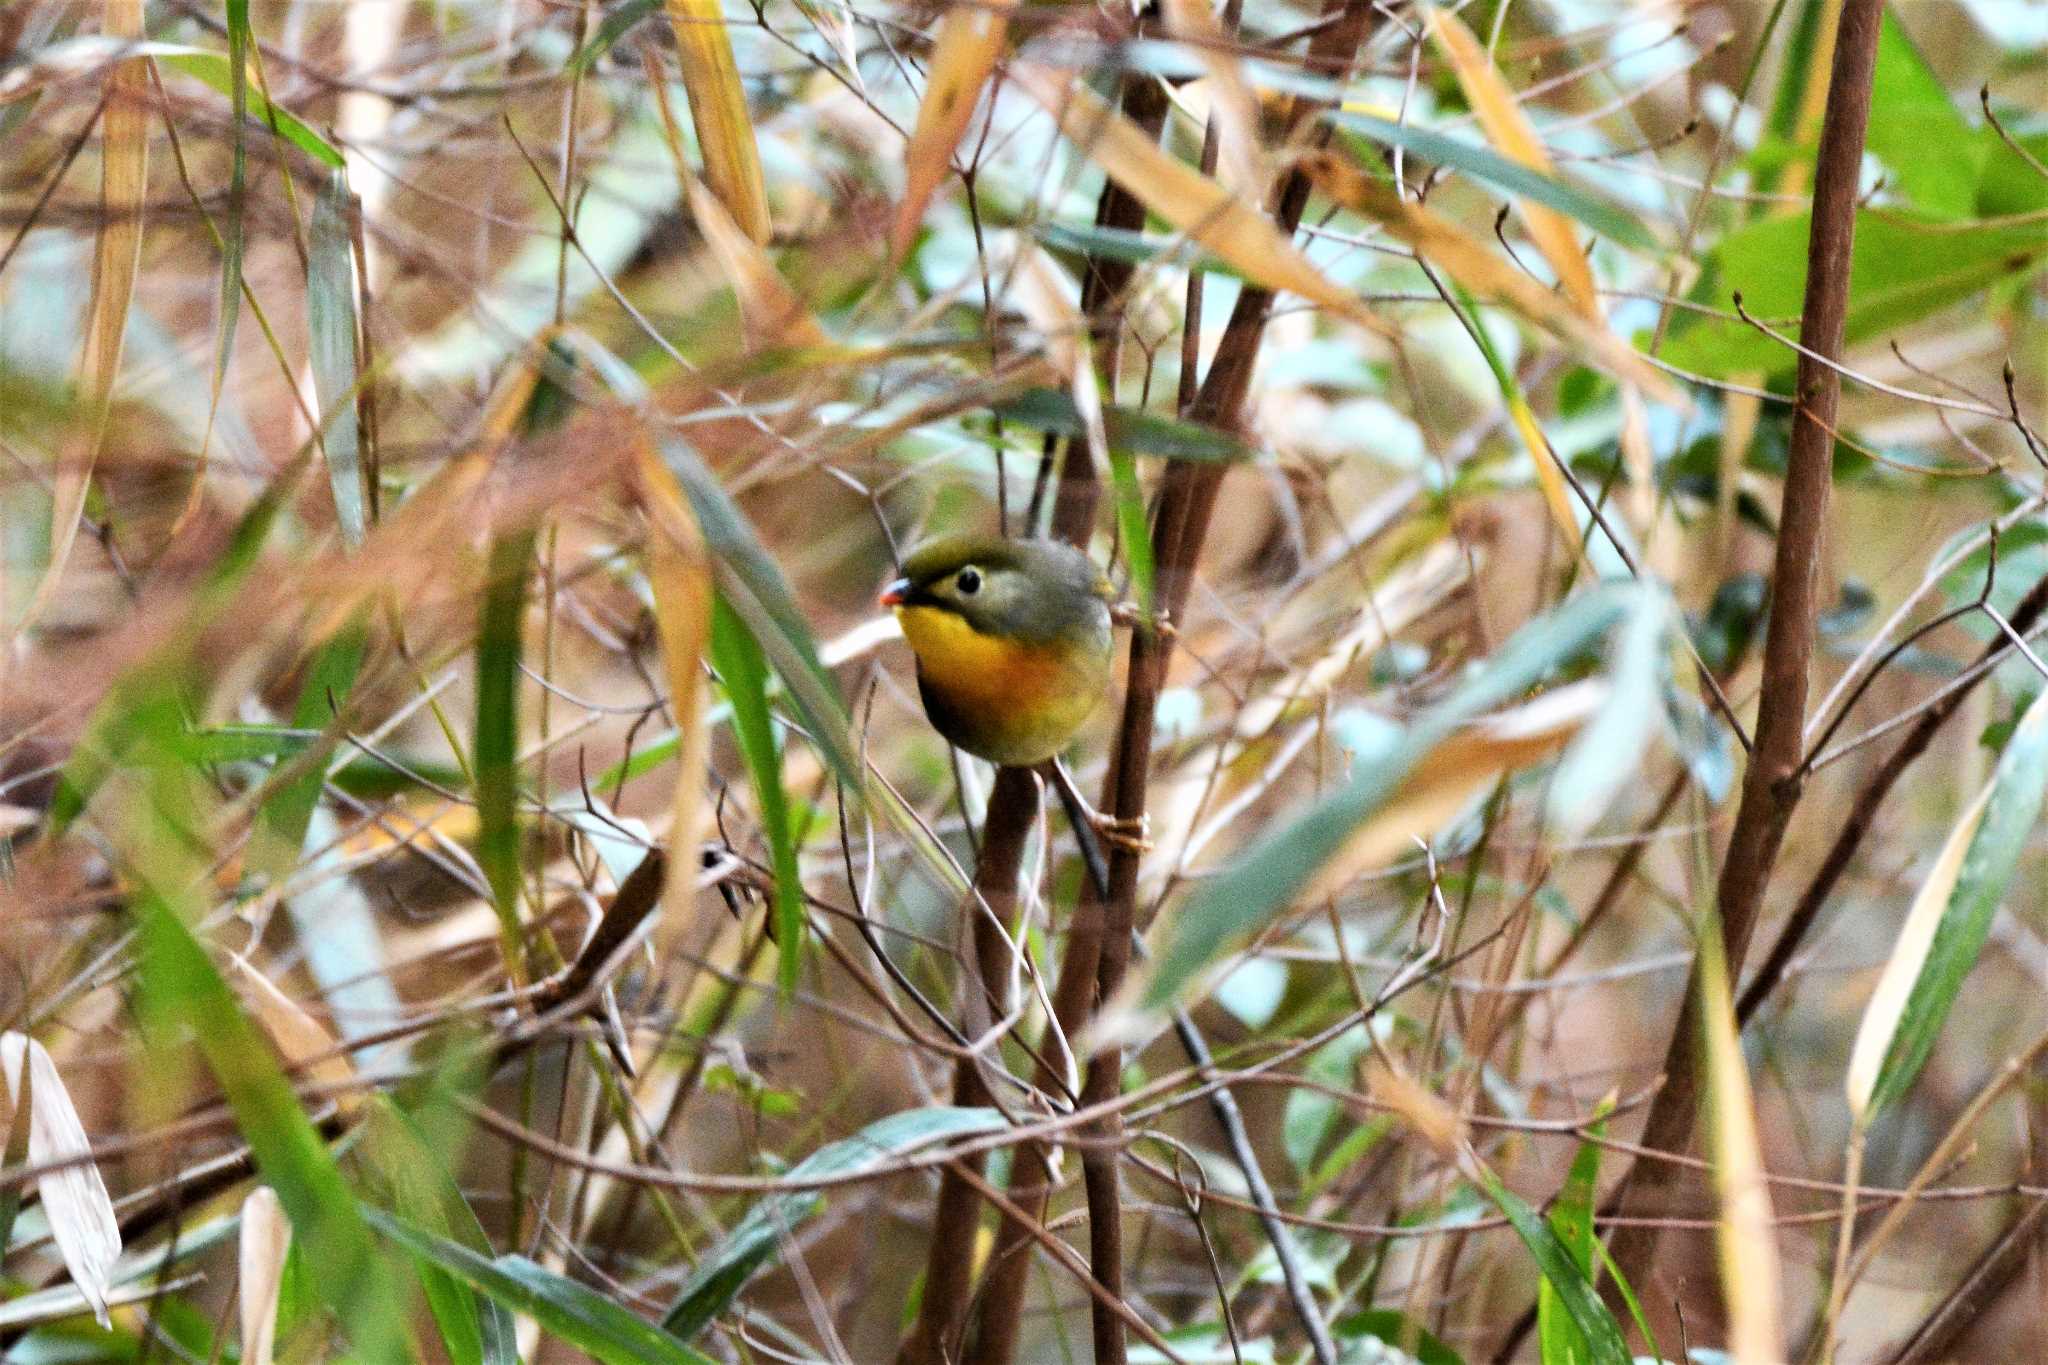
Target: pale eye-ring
968,581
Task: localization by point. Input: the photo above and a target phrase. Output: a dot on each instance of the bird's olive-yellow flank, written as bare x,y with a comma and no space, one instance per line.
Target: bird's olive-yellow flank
1012,639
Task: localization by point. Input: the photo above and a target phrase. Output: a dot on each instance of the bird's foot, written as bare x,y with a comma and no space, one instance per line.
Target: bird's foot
1134,835
1131,614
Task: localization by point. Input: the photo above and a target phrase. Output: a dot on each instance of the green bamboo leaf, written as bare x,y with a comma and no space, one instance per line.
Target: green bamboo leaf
331,328
1226,908
1907,266
180,993
725,1271
1126,429
1950,919
219,71
1571,1218
475,1329
1916,115
495,761
618,22
1604,1342
750,582
1596,211
579,1316
743,669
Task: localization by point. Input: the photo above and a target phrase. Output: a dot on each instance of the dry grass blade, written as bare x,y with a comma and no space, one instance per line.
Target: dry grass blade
298,1037
718,108
963,57
1459,770
1745,1232
679,570
1500,114
773,314
771,310
124,176
1234,106
1206,211
266,1239
75,1201
1478,268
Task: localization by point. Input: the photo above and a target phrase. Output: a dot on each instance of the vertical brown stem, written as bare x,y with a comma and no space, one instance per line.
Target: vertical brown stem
1186,502
1073,519
949,1265
1771,787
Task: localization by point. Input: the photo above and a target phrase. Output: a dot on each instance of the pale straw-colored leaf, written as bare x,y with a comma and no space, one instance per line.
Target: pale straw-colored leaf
679,571
300,1039
1476,266
1508,128
1459,770
963,57
75,1201
266,1239
1745,1231
770,310
124,176
1240,161
1949,921
1235,229
718,109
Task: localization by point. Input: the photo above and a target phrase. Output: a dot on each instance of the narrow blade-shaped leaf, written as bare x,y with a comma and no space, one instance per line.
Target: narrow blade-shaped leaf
1949,921
1193,203
1605,1344
963,57
1480,269
331,325
1267,879
743,670
725,1271
718,108
124,178
1601,214
679,571
579,1316
1500,114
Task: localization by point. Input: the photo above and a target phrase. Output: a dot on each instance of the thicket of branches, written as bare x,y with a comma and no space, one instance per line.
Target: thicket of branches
1565,879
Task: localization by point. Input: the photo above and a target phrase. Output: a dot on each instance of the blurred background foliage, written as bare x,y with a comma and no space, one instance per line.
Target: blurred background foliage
451,450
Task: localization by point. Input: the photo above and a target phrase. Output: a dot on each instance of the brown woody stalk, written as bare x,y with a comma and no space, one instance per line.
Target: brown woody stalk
1073,519
1772,785
1864,812
1186,501
943,1313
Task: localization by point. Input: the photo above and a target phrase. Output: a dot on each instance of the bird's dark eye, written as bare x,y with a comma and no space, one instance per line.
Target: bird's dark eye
968,581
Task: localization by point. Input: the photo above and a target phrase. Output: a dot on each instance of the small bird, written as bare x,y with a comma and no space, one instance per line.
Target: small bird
1012,639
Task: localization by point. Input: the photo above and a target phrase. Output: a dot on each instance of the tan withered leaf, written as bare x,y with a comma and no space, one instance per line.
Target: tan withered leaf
1194,204
1746,1230
770,309
1239,159
124,175
679,571
964,55
298,1037
1500,114
1511,133
1459,769
718,108
75,1201
266,1238
1478,268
